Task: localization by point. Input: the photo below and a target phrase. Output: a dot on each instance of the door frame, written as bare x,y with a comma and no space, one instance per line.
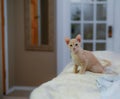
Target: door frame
63,25
1,91
3,49
3,46
5,66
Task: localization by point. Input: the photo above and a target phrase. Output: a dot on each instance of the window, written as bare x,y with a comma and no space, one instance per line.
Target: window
39,24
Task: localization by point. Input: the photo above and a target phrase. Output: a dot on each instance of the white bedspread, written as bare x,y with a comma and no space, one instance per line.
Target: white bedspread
75,86
109,87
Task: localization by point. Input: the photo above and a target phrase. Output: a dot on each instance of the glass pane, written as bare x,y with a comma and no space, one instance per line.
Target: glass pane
75,12
88,31
88,46
75,29
88,11
101,12
100,46
101,31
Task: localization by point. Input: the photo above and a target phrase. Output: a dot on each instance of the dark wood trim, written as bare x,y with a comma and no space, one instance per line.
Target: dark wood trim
3,48
45,21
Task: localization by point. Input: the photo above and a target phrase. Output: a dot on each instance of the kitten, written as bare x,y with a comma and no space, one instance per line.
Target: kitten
83,58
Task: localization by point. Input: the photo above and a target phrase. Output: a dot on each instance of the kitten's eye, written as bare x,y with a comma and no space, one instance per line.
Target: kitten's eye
76,44
70,45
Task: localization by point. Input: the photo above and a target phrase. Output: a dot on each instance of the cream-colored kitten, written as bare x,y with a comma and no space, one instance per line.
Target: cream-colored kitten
83,58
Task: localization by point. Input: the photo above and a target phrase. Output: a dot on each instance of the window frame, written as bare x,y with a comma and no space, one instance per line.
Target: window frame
51,27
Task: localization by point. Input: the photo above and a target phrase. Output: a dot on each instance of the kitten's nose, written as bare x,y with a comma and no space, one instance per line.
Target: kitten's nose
73,48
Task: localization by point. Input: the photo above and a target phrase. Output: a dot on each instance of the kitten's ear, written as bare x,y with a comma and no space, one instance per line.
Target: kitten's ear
67,40
78,38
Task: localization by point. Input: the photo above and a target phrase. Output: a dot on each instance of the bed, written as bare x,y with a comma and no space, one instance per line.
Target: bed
68,85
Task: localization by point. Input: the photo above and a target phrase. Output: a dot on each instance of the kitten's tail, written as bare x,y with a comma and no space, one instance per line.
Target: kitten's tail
107,67
106,62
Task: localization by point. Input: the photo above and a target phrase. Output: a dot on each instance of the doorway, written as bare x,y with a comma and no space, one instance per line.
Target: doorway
93,20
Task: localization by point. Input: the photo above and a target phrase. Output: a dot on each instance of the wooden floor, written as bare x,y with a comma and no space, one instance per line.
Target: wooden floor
18,95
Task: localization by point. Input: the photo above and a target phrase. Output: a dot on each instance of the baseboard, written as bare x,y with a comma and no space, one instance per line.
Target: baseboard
25,88
21,88
10,90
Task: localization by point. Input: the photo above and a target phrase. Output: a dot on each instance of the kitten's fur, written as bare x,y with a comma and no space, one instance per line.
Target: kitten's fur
83,58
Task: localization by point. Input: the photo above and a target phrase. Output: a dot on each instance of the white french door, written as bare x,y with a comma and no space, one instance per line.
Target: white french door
93,20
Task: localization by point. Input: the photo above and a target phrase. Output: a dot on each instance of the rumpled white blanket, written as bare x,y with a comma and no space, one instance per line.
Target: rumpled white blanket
109,87
75,86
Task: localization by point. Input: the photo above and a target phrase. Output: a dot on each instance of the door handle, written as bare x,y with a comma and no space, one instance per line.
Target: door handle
110,31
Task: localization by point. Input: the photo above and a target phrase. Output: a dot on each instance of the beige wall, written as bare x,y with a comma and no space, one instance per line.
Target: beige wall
0,55
26,68
31,67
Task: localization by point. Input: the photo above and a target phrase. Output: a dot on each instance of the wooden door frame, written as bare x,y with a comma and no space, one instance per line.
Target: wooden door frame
1,92
3,46
2,68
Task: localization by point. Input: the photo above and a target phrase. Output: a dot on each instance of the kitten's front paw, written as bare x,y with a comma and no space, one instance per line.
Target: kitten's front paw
75,71
81,72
